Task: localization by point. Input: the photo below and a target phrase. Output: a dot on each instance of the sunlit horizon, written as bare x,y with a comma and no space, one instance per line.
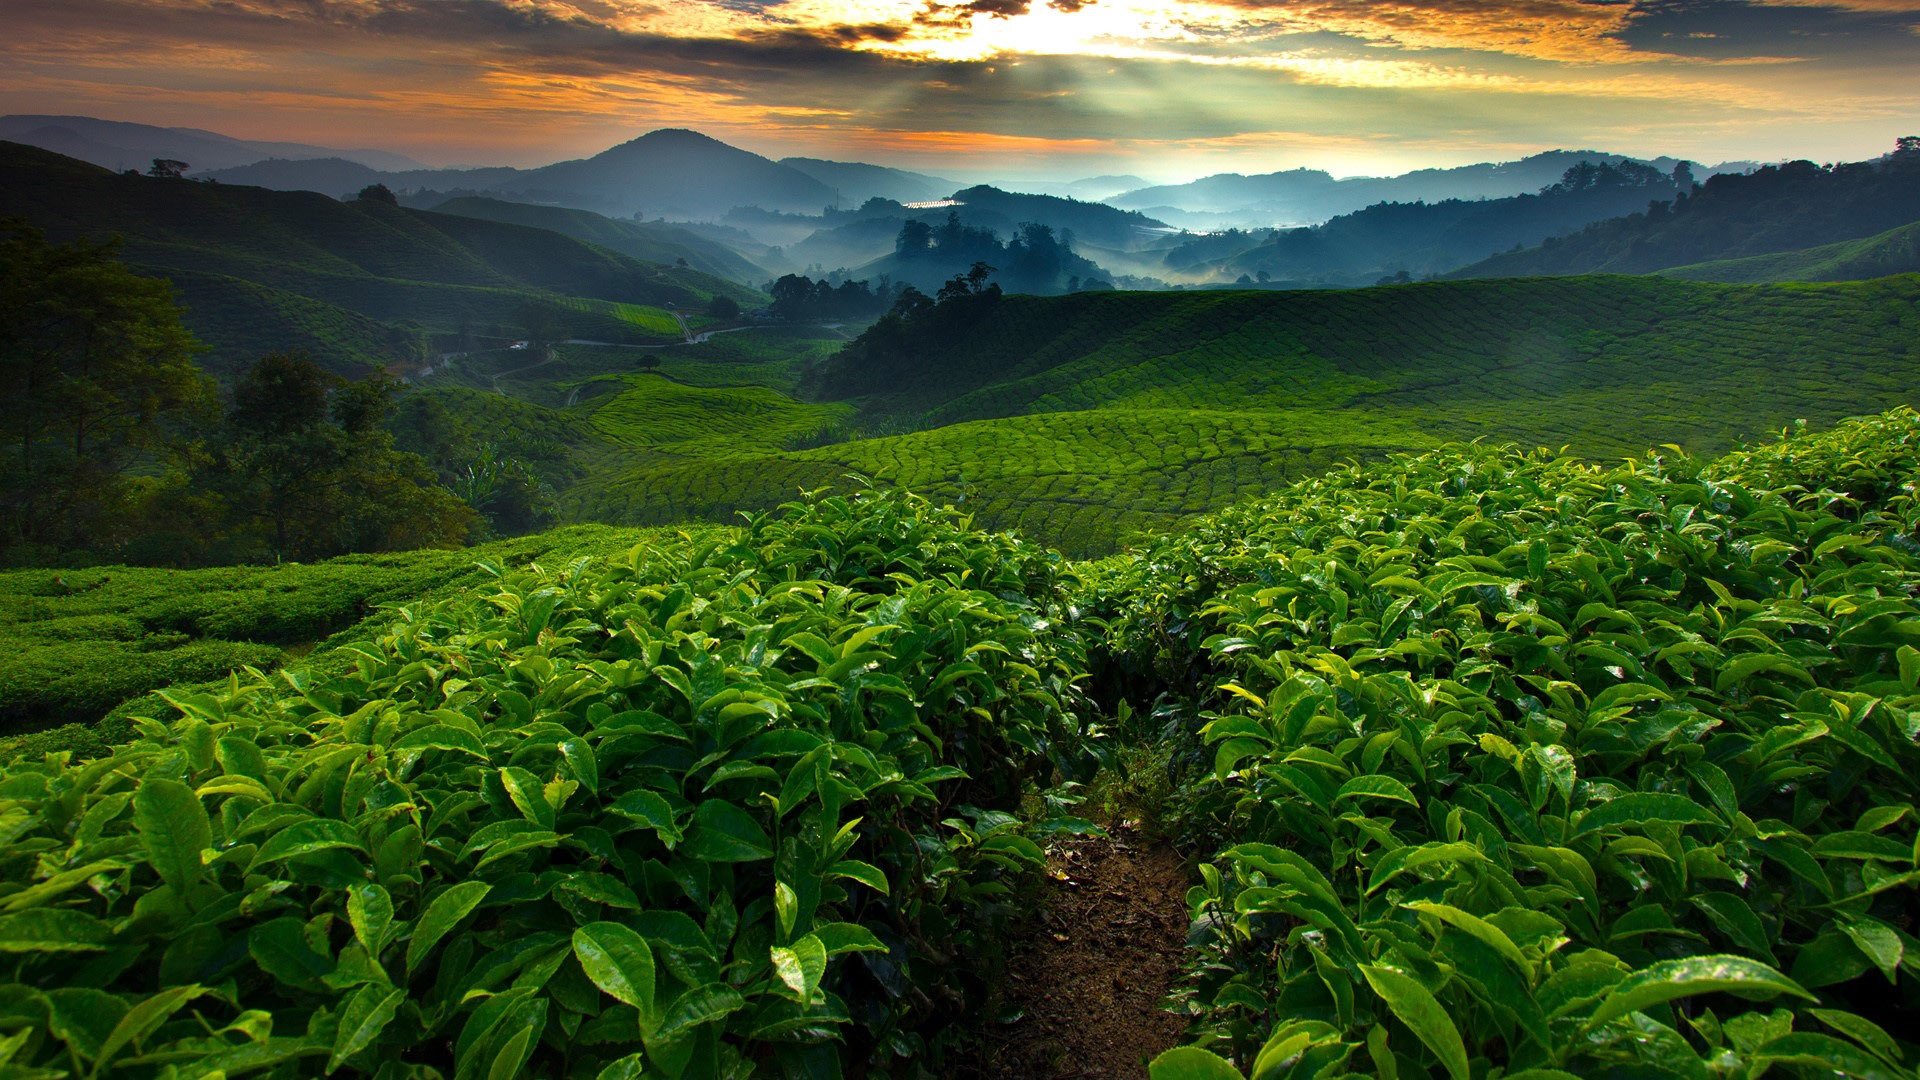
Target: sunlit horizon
1048,90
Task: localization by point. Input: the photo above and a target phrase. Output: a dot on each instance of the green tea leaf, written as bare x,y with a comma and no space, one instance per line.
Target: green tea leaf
1416,1007
366,1015
1192,1063
442,915
619,961
174,828
1671,979
801,966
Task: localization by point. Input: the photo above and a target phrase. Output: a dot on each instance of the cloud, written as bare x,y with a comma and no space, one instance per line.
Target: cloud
529,80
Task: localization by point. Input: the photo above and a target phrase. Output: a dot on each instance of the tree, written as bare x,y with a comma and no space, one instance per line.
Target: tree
1907,147
915,237
541,323
1683,176
167,169
96,375
307,469
724,308
377,193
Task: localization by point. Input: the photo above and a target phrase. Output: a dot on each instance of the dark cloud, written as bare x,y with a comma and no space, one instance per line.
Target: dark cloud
1737,29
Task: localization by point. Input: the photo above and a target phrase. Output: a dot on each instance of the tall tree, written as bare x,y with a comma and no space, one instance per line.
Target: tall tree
96,376
306,466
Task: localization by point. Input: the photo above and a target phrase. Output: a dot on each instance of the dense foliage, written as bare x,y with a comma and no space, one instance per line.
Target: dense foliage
714,808
96,376
1515,762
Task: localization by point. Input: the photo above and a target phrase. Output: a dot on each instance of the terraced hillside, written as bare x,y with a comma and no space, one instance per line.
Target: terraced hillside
1082,419
357,283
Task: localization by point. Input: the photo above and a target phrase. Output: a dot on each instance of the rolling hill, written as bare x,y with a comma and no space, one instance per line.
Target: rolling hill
1776,209
647,241
1081,419
855,182
1896,251
1418,238
355,283
1306,196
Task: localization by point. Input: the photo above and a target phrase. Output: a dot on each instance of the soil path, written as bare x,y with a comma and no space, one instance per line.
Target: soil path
1087,981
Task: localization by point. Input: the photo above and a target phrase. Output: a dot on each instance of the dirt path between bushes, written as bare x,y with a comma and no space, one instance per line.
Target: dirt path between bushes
1086,981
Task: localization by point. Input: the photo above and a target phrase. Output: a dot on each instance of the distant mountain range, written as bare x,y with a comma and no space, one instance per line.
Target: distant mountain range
1306,196
114,145
671,173
856,182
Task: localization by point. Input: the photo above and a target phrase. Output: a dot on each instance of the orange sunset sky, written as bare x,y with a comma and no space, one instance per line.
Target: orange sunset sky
1056,88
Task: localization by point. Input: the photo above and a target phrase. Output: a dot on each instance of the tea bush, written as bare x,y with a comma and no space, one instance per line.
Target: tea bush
1512,762
738,805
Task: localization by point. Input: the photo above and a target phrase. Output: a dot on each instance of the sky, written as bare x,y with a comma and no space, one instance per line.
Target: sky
1053,89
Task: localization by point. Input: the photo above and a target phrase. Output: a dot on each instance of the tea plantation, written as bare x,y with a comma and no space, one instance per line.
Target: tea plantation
1083,420
1494,763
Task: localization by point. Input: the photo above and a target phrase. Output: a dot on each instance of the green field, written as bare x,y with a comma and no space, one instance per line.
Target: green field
1082,420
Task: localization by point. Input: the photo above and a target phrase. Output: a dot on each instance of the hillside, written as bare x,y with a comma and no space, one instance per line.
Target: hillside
1083,418
649,242
1418,238
1776,209
239,250
1896,251
855,182
1308,196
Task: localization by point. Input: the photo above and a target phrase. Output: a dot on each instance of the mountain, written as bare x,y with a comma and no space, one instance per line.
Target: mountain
669,173
1302,196
1418,239
1896,251
355,283
115,145
1778,208
648,241
856,182
1091,188
675,174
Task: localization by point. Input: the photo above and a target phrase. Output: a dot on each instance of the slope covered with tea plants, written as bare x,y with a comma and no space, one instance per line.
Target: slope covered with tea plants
1495,763
721,806
1896,251
1084,418
1514,762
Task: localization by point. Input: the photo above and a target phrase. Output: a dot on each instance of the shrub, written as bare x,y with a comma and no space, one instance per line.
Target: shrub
710,807
1519,763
